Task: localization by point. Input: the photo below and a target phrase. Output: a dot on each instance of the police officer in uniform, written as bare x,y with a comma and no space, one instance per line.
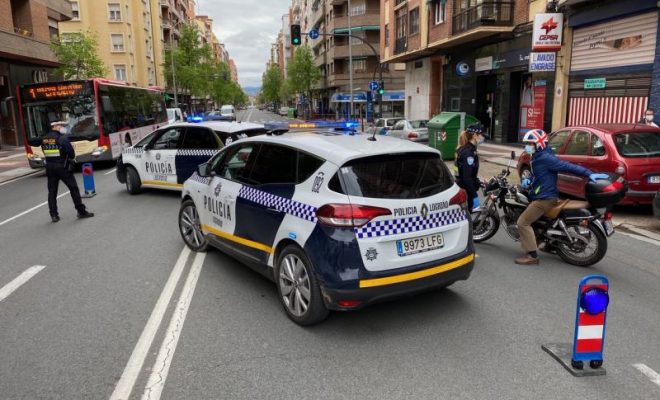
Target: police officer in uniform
467,162
59,155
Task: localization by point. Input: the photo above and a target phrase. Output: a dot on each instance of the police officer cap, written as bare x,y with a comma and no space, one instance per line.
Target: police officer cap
58,123
475,128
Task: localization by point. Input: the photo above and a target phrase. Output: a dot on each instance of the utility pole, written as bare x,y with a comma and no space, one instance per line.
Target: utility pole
350,59
176,99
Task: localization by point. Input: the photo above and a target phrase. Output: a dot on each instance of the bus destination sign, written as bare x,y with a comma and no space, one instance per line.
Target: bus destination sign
59,91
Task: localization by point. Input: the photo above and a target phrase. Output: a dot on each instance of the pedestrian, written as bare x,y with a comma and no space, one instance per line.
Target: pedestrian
542,189
648,118
467,163
59,158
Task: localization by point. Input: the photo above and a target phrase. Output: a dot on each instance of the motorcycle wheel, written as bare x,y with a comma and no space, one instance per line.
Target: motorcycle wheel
571,253
488,229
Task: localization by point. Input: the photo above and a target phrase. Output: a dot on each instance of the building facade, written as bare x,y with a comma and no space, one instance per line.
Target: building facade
27,28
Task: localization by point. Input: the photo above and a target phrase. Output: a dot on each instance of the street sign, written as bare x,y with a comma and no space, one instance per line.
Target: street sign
314,34
595,83
373,85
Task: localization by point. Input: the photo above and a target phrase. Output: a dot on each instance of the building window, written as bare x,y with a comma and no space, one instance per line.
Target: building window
356,38
387,35
120,72
414,21
358,9
359,65
75,11
401,23
439,11
114,12
52,28
117,42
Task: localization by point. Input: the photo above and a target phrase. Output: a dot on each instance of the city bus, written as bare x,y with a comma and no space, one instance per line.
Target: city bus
102,116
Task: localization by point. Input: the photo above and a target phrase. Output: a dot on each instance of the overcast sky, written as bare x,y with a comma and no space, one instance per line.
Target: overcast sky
247,28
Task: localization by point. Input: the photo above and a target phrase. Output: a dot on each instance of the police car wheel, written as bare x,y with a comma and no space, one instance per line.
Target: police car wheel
191,228
298,288
133,182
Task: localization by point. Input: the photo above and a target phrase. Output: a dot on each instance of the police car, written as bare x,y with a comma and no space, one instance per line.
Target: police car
168,156
337,221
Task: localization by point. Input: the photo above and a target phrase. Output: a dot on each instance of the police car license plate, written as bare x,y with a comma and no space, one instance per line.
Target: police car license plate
419,244
654,179
609,228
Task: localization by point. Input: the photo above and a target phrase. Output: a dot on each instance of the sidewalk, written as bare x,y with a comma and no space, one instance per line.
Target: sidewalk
14,164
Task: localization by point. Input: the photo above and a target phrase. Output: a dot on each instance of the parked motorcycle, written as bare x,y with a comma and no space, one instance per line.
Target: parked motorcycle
577,230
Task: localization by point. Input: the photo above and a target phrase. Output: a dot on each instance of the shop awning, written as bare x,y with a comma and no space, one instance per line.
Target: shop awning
357,29
358,97
394,96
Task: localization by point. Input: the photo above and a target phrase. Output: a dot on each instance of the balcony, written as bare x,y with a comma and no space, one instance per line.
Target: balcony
358,50
13,47
371,19
486,14
401,45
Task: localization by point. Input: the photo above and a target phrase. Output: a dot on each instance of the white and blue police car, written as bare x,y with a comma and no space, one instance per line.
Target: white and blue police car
337,221
168,156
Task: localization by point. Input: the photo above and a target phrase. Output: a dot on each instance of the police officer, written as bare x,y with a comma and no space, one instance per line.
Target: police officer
467,162
59,155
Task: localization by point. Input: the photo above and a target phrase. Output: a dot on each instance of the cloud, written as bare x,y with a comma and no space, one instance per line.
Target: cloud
247,28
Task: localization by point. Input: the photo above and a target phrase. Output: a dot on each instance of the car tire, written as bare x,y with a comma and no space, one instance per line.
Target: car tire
190,227
294,275
133,182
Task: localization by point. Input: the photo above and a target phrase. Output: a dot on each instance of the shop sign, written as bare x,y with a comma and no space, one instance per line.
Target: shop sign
595,83
462,68
617,43
509,59
532,105
547,32
483,64
540,62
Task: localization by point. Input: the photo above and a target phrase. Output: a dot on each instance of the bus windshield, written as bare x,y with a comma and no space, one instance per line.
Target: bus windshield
78,110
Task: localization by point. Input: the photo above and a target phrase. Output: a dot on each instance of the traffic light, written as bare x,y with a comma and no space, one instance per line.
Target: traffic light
381,88
295,34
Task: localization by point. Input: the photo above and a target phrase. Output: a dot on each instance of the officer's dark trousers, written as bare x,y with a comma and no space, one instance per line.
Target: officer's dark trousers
55,174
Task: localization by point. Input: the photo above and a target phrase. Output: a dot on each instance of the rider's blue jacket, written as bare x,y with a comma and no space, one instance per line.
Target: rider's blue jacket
545,167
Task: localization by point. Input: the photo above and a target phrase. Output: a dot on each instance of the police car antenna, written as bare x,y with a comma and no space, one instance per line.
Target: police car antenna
372,138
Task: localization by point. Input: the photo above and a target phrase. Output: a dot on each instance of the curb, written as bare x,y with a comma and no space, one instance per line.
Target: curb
16,174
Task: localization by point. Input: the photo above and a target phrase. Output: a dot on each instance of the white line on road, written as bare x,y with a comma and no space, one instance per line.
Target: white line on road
639,237
651,374
30,210
134,366
15,156
20,281
111,171
161,367
19,178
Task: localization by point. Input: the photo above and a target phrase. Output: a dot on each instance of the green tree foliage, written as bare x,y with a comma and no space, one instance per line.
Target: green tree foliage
192,62
302,74
78,56
271,84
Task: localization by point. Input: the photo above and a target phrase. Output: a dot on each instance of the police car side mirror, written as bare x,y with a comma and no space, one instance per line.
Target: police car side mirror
204,170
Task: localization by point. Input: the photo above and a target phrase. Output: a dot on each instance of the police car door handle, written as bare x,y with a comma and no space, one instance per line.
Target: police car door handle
273,210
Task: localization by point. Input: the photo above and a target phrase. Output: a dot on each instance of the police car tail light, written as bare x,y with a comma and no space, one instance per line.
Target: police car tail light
459,199
349,215
413,135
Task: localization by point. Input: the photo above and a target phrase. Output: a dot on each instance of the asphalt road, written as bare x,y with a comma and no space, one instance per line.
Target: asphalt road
111,292
259,117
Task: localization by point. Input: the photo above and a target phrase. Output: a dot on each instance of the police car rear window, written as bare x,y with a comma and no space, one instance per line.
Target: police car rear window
395,176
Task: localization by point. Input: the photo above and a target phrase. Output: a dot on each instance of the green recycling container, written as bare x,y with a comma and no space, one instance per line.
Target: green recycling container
444,130
290,112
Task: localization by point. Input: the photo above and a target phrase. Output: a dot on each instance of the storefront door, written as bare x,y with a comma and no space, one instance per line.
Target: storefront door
486,102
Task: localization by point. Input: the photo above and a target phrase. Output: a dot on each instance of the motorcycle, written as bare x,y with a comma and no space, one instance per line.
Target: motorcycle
575,230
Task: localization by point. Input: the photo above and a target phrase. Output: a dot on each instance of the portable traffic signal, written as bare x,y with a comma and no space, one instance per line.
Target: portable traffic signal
381,88
295,34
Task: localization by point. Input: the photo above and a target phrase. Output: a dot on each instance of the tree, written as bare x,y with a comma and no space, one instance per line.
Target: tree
191,62
78,56
302,73
271,84
223,90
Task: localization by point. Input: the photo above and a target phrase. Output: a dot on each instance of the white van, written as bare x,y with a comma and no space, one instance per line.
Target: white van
228,112
174,115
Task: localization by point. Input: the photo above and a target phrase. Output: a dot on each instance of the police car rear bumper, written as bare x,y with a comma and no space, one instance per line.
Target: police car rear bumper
385,287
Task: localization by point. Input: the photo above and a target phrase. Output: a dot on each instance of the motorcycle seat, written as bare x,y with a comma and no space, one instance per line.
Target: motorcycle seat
565,204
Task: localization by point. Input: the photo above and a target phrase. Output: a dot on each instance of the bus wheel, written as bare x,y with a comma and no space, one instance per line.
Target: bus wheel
133,183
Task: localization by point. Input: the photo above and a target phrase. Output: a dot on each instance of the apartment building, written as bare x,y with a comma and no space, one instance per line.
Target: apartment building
26,30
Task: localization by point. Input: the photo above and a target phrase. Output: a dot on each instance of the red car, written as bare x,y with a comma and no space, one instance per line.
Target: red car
632,151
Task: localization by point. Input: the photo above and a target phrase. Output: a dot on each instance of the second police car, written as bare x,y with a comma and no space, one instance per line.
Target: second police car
337,221
168,156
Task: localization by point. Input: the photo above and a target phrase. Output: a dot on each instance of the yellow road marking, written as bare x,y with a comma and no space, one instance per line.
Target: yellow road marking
240,240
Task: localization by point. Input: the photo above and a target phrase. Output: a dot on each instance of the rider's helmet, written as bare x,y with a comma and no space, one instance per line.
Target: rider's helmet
537,137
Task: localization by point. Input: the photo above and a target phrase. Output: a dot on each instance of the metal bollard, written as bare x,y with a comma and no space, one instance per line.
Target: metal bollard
88,180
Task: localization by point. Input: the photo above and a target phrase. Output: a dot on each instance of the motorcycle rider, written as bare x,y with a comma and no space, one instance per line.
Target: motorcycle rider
542,189
467,163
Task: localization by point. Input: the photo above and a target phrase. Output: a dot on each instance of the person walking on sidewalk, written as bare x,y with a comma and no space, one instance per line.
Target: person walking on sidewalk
59,155
649,115
542,189
467,162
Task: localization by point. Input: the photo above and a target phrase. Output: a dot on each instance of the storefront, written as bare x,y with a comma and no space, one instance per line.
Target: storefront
613,53
393,104
494,84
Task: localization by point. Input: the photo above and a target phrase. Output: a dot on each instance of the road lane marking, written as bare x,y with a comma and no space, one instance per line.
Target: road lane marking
111,171
15,156
20,178
161,367
30,210
640,238
9,288
134,365
651,374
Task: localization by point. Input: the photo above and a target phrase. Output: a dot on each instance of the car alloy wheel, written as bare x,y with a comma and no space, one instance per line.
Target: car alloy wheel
190,227
294,285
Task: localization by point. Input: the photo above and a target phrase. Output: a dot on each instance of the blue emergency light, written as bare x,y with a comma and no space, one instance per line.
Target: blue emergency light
594,301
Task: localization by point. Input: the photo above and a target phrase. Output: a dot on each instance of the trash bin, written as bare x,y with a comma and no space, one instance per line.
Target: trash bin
452,124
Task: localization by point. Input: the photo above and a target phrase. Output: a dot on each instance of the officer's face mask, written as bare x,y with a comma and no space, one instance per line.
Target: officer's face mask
480,139
63,130
649,117
530,148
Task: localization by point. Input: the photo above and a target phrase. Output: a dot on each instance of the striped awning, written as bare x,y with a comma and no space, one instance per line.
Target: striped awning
606,110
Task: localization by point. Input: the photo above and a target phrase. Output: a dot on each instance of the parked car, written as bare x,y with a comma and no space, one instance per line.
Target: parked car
228,112
415,130
383,125
630,150
284,111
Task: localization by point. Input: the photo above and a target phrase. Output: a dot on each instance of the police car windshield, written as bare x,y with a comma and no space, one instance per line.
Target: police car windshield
395,176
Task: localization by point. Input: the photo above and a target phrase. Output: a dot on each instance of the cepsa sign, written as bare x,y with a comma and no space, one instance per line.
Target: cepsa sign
58,91
547,32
